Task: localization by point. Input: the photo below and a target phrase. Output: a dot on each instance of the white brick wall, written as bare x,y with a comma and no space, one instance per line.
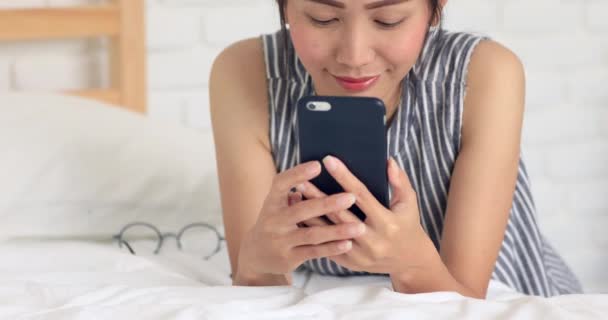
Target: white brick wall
596,15
563,44
22,3
5,74
173,28
69,71
542,16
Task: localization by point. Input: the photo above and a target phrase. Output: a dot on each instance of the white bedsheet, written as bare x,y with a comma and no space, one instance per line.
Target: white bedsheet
87,280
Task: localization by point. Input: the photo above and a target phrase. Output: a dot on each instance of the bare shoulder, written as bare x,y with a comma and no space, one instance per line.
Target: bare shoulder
495,91
237,88
491,62
244,53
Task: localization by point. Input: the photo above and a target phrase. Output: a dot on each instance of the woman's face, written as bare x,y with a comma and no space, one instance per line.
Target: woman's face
358,47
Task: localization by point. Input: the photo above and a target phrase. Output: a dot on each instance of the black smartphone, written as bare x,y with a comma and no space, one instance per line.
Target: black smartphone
352,129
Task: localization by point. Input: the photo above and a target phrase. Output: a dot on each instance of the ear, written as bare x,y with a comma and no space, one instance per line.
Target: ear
442,4
286,13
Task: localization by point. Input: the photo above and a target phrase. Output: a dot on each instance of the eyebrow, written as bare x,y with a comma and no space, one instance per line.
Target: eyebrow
369,6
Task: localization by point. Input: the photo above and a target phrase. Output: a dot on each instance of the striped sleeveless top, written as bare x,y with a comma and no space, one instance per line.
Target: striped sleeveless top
424,137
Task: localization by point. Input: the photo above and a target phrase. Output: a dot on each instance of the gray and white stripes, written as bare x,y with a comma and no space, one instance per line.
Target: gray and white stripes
424,137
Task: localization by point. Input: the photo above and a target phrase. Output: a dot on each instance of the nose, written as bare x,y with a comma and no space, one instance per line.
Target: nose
355,49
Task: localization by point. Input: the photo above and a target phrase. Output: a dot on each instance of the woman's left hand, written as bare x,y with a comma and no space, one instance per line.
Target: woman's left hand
394,242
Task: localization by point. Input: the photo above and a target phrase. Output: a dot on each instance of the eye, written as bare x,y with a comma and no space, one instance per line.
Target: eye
322,22
388,25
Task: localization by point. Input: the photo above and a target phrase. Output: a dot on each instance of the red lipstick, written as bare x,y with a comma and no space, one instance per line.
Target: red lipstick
356,84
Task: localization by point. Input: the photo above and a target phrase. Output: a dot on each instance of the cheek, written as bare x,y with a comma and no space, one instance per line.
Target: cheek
404,53
309,46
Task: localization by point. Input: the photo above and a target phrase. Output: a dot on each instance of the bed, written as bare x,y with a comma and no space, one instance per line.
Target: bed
121,22
77,170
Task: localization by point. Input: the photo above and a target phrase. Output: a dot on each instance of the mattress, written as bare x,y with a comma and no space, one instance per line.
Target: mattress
78,279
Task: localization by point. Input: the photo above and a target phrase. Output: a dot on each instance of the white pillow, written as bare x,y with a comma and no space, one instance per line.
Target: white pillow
77,168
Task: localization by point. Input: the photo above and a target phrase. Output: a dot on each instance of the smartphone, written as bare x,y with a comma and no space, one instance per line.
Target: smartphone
352,129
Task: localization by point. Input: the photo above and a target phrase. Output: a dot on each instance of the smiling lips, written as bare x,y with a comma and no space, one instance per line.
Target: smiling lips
356,84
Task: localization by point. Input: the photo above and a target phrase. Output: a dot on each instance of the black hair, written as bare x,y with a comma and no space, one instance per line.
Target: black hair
436,9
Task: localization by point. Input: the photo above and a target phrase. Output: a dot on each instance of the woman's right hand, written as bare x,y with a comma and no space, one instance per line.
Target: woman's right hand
276,246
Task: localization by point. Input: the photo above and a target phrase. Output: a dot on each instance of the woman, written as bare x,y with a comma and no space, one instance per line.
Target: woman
461,211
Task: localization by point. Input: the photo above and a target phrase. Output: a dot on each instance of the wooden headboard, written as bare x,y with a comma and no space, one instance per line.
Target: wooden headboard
122,21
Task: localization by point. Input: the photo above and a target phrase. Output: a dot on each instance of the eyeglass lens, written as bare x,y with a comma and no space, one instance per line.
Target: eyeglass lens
196,239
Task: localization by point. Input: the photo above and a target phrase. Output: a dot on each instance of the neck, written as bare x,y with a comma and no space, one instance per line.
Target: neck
393,103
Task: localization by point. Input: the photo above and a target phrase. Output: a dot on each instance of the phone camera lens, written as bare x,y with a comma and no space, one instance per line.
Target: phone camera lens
311,106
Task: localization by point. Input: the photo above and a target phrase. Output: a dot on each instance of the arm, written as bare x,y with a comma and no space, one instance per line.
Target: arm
483,181
245,166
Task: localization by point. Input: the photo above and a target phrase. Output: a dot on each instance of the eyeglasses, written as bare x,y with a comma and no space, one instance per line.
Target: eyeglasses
196,238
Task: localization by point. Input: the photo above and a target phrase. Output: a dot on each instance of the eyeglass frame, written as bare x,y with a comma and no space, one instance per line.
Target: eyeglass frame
162,236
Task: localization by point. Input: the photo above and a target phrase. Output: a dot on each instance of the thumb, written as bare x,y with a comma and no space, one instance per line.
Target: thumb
400,184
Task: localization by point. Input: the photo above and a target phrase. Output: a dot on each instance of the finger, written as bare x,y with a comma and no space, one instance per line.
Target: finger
328,249
316,222
310,191
286,180
356,259
328,233
365,199
338,217
297,197
315,208
294,197
400,184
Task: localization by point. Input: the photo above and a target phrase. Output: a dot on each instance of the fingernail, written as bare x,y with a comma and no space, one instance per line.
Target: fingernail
360,228
346,200
313,168
357,230
301,187
345,245
329,162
